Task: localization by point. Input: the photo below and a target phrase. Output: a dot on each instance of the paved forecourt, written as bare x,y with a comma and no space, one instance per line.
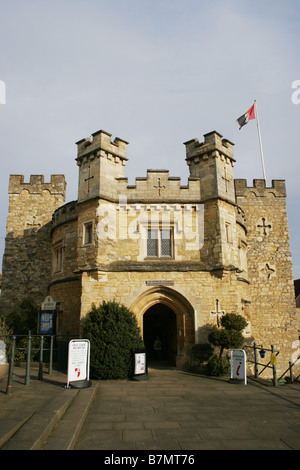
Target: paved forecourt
175,410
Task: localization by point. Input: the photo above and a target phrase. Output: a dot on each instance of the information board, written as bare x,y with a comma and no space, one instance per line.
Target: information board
139,363
47,316
238,365
78,360
46,323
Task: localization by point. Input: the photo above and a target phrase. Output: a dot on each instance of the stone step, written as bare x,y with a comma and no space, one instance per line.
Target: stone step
31,431
66,431
10,425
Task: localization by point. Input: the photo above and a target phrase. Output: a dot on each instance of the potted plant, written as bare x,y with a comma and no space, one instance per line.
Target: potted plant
262,353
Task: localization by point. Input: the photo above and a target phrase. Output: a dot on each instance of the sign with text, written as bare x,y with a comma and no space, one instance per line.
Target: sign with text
139,363
78,360
160,282
48,303
238,365
46,323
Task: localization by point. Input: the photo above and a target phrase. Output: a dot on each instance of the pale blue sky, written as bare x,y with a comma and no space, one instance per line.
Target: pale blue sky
155,73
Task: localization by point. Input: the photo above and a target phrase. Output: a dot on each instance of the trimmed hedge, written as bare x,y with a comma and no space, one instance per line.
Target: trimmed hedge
113,333
218,366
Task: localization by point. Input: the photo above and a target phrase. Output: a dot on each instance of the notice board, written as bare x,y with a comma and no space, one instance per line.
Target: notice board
78,360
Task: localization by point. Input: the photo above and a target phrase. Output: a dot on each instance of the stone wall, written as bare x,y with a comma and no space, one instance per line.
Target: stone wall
202,293
273,312
229,245
27,257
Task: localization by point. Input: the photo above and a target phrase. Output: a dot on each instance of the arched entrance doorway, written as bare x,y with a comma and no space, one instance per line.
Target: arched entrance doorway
159,327
176,313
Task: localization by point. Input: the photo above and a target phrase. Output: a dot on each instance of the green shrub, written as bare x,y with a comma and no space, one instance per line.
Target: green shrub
23,318
232,321
218,366
228,337
22,348
113,334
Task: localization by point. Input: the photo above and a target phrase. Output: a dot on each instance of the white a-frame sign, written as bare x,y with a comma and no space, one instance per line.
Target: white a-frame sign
79,363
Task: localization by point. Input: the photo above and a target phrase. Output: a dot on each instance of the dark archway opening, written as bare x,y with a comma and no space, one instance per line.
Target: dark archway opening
159,322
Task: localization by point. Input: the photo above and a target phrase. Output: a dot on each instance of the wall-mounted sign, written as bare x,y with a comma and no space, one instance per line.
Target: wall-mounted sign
47,316
46,324
160,282
48,304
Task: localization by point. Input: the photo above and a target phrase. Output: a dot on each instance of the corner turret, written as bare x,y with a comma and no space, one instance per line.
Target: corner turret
212,161
100,162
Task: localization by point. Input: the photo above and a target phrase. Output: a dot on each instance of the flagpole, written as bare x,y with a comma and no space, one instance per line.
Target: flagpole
260,144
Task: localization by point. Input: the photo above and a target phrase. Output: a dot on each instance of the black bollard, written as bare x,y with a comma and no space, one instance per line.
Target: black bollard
11,367
40,374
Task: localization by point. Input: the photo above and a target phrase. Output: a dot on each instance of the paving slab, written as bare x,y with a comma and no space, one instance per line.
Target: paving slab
20,406
175,410
172,411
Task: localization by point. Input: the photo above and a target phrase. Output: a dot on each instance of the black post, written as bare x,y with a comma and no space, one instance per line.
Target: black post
275,383
291,372
27,377
255,358
40,375
11,367
51,355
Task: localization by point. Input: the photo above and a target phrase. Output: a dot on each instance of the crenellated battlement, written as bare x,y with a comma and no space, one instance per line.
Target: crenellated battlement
212,161
158,185
37,184
214,145
65,213
101,141
259,188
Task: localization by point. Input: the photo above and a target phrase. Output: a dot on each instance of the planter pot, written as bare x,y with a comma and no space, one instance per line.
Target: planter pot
262,353
3,371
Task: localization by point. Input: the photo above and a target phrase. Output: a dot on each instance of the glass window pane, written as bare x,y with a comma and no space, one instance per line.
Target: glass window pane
166,243
152,243
58,259
88,233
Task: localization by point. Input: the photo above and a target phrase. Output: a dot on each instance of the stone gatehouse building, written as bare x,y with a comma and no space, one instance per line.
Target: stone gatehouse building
178,256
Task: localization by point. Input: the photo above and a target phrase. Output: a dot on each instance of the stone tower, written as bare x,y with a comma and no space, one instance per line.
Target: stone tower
212,163
269,264
100,162
27,256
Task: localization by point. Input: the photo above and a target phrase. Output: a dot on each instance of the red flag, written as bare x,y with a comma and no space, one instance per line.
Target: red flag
250,114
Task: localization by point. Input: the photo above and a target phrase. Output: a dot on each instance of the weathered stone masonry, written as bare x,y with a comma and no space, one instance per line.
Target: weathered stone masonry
226,248
27,256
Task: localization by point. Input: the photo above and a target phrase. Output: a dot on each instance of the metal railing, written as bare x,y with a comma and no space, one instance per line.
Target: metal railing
14,346
290,370
270,365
